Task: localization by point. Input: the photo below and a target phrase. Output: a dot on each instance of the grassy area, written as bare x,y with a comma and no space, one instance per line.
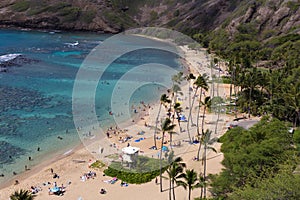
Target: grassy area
21,6
144,170
98,165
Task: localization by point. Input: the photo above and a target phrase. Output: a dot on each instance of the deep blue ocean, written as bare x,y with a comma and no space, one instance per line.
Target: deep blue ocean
36,93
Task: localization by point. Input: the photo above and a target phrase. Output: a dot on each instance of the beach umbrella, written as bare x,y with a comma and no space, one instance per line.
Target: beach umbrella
164,148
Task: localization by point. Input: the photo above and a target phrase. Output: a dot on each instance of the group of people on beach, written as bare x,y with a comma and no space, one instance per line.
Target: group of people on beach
88,175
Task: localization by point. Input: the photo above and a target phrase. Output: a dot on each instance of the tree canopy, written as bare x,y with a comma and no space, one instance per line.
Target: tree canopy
254,155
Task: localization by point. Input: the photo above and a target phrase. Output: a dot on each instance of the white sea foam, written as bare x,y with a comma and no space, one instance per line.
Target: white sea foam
8,57
68,152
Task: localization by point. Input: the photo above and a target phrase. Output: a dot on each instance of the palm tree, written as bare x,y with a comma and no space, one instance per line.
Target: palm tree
171,138
218,103
207,104
190,181
174,170
207,141
201,184
175,90
200,83
22,195
250,81
163,100
178,110
291,93
189,78
176,81
165,127
204,86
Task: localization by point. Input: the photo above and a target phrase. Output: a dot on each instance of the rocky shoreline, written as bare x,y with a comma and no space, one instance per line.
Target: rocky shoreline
14,60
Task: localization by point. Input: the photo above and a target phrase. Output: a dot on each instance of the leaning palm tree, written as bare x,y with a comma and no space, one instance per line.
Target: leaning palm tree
178,110
207,141
175,91
176,81
166,126
163,100
189,181
22,195
189,78
218,105
200,83
207,104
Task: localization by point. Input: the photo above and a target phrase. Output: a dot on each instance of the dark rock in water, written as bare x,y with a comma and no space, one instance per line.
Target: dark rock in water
18,98
3,69
18,61
9,152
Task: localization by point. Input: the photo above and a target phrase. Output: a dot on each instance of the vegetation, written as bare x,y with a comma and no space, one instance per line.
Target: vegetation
166,126
22,195
146,169
21,6
97,165
190,181
252,156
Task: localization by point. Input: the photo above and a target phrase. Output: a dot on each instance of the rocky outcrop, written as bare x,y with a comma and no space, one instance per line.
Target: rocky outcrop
279,16
116,15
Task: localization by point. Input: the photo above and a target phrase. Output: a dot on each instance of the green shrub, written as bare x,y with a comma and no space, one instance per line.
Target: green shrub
293,5
176,13
130,176
226,79
70,13
21,6
296,138
146,169
56,7
153,15
87,16
98,164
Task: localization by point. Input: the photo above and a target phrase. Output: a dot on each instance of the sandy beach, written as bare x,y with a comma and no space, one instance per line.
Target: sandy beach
73,164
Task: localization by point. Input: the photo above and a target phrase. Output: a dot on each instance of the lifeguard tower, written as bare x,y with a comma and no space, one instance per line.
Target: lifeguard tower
129,156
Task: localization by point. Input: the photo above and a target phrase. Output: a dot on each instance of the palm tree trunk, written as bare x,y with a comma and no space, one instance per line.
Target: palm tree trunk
170,189
232,82
218,106
179,124
204,171
198,113
156,124
171,139
189,193
204,109
199,148
160,162
190,96
190,116
173,189
201,192
250,101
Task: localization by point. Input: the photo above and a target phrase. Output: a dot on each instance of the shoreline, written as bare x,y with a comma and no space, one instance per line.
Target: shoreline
41,173
37,168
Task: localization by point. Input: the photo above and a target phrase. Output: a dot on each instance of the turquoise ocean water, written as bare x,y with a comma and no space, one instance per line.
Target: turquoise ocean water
36,96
